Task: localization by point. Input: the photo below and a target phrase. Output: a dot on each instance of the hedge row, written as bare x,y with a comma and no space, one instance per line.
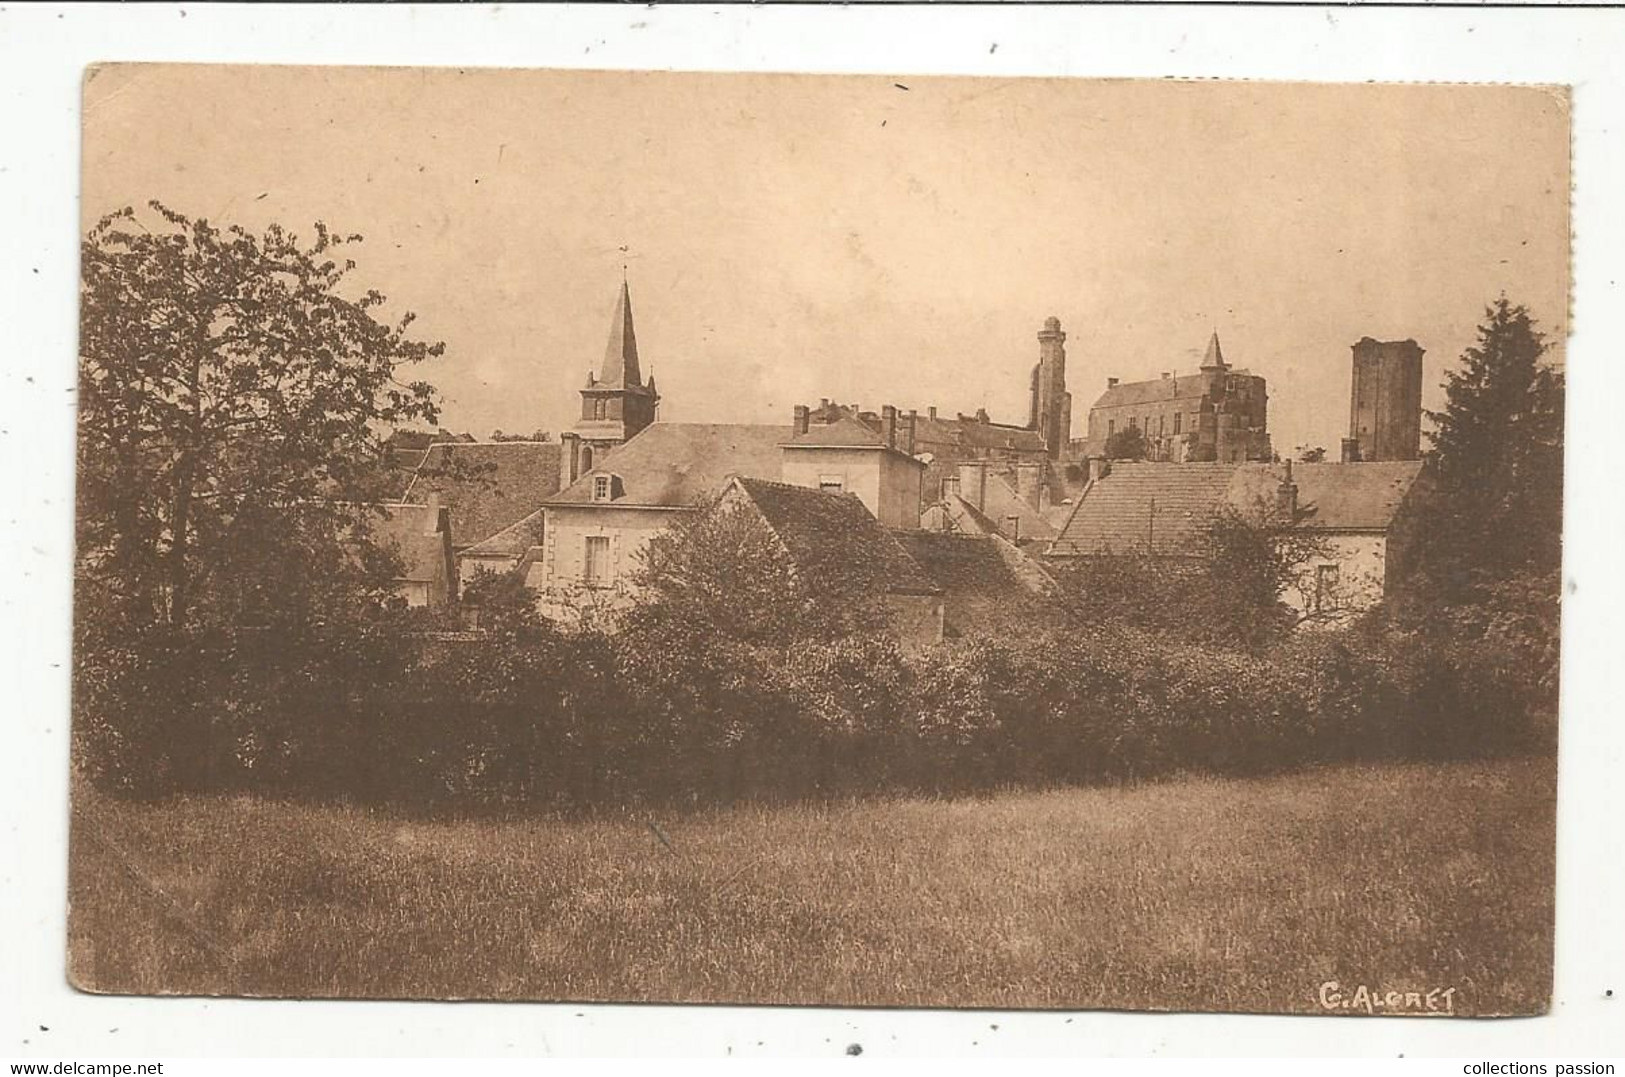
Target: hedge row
583,719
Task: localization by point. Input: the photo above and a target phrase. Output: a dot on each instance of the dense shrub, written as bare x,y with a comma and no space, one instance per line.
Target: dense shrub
654,715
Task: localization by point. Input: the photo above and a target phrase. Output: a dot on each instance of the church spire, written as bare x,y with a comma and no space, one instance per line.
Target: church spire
620,369
1214,359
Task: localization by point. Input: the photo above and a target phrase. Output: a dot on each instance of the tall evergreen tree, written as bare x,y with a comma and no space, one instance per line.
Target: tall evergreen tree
1498,451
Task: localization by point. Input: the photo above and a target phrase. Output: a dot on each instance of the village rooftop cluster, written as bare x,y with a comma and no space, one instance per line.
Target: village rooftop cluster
963,510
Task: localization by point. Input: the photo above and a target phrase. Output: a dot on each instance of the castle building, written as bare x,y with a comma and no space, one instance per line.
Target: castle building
616,403
1385,402
1219,414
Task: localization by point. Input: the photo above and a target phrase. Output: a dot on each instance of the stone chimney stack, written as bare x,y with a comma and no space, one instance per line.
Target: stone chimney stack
909,430
1099,468
1286,497
973,483
1111,383
931,413
888,425
802,419
1030,484
572,455
432,525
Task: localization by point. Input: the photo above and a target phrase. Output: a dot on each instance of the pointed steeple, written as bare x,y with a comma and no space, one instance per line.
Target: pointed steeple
1214,359
620,369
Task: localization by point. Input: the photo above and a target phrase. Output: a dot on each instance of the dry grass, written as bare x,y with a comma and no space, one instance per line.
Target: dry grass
1195,894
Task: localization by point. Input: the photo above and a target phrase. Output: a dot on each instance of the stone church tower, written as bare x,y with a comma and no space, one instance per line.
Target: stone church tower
616,403
1051,410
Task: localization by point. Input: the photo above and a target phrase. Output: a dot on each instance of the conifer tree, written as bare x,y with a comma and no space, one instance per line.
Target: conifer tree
1498,451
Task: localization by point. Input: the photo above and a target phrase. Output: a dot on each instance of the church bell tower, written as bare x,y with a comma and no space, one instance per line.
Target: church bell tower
616,403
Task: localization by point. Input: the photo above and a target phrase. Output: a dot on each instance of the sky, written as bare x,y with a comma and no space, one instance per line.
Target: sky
872,239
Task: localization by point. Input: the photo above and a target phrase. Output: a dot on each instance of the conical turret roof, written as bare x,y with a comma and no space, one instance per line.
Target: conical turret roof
620,369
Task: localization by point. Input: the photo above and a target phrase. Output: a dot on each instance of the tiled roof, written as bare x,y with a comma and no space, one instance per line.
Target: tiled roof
513,540
833,536
1167,505
989,586
487,485
676,465
1336,497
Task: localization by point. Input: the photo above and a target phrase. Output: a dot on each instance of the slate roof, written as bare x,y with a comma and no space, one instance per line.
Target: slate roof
677,465
488,486
989,586
512,541
1115,514
832,535
845,432
1158,390
620,369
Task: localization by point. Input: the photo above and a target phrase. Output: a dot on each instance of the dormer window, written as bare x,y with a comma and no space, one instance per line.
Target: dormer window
602,487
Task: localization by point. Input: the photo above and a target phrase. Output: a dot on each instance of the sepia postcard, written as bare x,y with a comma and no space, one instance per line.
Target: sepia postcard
1025,543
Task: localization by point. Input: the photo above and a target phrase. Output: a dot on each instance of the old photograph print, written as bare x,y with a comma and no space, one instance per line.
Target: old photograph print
839,540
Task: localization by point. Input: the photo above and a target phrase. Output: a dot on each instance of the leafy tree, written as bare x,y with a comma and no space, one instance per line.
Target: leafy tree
502,604
1127,444
722,570
1308,455
535,435
1498,452
232,394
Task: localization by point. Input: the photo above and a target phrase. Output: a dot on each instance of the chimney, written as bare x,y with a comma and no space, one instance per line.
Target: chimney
802,419
1165,375
1111,383
931,413
913,421
1351,450
1030,482
1099,468
973,483
1286,497
572,455
434,514
981,415
888,425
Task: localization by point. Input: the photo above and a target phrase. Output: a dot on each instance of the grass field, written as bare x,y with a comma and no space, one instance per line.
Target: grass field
1190,894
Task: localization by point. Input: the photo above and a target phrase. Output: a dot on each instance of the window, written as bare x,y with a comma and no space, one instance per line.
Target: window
1178,415
600,408
1111,427
1162,425
833,484
1326,587
950,486
601,485
595,563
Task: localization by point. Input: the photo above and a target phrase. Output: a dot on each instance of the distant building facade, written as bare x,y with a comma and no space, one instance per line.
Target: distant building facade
1217,415
1364,514
1385,401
